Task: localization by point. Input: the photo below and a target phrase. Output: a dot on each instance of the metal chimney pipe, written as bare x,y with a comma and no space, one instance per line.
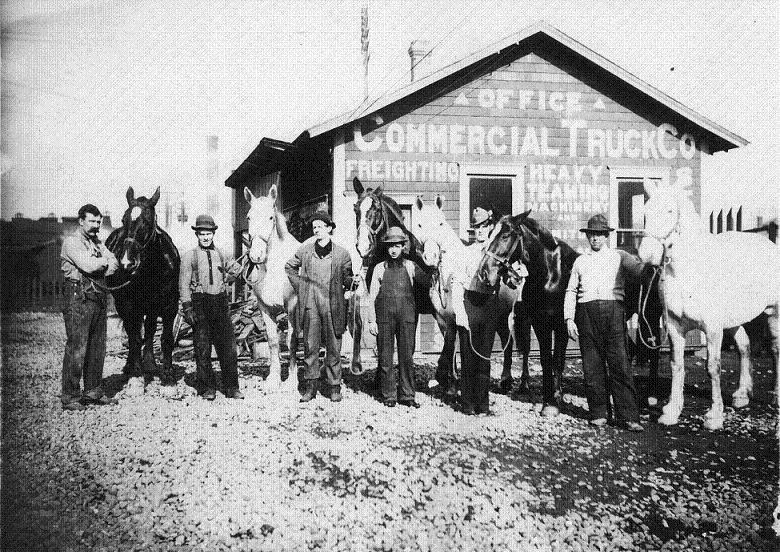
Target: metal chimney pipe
418,54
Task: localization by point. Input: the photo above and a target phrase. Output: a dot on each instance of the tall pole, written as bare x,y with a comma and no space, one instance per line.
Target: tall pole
364,45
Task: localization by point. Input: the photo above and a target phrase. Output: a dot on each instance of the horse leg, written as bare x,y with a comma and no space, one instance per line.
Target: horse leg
741,396
544,335
774,330
506,372
149,362
292,335
672,409
446,373
357,333
522,331
132,323
653,356
713,419
274,380
166,344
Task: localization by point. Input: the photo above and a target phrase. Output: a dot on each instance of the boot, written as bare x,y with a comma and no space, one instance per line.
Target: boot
310,391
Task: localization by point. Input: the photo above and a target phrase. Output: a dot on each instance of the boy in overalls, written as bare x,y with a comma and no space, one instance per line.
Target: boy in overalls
391,317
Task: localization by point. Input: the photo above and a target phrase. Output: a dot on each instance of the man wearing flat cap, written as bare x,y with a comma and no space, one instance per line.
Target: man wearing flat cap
392,317
595,315
321,274
206,272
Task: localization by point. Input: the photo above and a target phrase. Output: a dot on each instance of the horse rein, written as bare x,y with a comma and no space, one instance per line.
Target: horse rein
146,244
503,261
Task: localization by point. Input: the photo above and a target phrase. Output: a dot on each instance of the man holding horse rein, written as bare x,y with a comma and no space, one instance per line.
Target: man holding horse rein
85,261
203,282
475,306
321,274
594,314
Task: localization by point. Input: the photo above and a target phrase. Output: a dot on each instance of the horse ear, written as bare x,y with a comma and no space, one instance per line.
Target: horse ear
272,193
248,195
650,187
419,202
378,190
439,201
155,197
357,186
130,195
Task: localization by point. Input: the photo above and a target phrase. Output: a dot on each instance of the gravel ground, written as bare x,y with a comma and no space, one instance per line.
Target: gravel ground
164,470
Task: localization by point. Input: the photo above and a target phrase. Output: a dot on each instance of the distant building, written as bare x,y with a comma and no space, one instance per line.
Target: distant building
30,276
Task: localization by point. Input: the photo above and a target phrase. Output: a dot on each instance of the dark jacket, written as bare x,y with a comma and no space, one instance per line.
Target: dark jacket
298,269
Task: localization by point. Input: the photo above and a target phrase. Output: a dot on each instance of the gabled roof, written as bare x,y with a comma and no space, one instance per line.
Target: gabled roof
367,108
268,155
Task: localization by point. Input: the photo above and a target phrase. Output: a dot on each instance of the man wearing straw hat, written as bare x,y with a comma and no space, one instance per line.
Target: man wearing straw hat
203,286
595,315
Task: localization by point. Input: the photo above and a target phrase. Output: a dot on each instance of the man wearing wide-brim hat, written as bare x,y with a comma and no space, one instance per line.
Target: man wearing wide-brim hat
206,272
321,273
392,318
595,315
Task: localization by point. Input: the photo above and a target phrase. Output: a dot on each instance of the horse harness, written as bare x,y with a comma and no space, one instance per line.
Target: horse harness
503,261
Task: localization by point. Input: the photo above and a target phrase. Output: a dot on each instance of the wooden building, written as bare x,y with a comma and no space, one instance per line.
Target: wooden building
536,121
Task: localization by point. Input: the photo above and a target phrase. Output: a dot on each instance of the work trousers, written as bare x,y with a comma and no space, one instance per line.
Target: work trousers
318,326
481,311
398,385
85,349
214,326
601,326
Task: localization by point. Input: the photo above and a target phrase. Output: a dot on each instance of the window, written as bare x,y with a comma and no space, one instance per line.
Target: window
627,203
499,186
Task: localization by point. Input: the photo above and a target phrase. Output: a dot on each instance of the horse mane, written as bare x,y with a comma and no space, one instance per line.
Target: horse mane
281,225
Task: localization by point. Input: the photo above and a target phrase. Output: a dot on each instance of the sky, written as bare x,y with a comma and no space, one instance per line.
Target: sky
101,95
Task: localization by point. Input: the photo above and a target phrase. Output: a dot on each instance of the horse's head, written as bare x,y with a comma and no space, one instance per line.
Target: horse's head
369,218
261,220
669,208
139,227
505,246
430,223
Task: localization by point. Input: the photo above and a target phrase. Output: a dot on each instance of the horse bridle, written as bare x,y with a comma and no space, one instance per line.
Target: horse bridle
372,232
503,261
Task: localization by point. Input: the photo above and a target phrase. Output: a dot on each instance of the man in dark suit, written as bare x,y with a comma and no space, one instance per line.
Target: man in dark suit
321,273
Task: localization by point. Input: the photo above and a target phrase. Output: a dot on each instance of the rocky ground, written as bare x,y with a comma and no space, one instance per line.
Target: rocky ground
164,470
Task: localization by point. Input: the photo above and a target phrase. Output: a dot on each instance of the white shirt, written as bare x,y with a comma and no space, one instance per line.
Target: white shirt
599,276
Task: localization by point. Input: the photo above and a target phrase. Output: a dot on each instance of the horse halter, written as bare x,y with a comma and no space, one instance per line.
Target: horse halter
373,232
503,261
149,239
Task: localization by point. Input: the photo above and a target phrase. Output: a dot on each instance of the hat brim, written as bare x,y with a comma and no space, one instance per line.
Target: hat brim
481,224
394,240
209,228
608,229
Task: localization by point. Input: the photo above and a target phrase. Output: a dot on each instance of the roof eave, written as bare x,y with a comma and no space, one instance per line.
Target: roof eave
729,139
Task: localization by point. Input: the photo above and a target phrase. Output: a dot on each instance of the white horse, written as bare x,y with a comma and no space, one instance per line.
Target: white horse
710,283
271,247
443,248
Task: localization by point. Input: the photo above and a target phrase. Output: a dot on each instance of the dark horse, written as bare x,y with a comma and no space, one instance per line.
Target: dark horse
549,262
146,287
375,213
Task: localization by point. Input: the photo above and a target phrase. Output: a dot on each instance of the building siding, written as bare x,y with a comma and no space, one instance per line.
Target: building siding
519,116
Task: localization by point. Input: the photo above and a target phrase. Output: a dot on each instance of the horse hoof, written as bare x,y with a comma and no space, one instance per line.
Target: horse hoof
740,402
356,368
550,411
713,423
652,401
506,386
668,419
